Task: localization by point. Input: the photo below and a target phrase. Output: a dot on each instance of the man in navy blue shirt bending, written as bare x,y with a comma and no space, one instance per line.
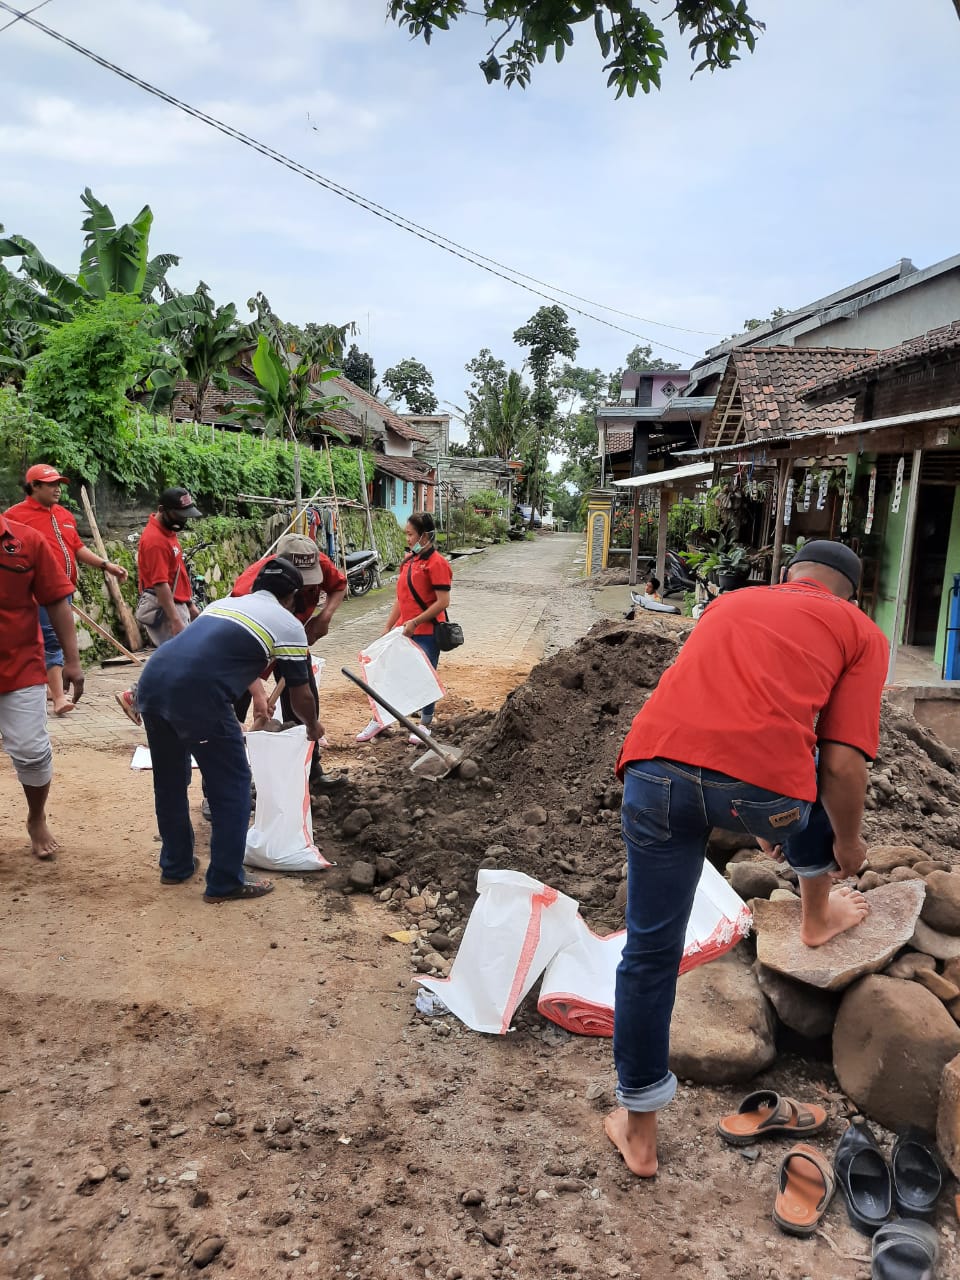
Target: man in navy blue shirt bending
186,696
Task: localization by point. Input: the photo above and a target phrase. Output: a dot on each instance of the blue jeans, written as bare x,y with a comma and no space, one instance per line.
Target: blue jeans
52,653
219,752
669,810
428,643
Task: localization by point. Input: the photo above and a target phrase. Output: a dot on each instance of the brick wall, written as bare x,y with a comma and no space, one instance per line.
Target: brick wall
930,387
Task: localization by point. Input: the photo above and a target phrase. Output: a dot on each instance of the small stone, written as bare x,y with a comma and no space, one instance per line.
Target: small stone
886,857
283,1124
535,816
542,1197
207,1250
176,1130
556,1168
188,1175
416,905
899,874
909,965
144,1100
941,987
941,908
569,1185
98,1173
492,1232
752,881
943,946
471,1198
750,1154
355,822
223,1118
121,1173
386,868
24,1202
468,769
783,895
362,876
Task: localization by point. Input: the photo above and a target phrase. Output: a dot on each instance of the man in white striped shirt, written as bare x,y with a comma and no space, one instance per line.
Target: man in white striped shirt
186,695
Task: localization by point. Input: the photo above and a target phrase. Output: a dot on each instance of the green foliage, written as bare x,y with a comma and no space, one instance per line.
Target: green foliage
547,335
412,382
204,339
632,47
357,365
504,425
487,374
81,377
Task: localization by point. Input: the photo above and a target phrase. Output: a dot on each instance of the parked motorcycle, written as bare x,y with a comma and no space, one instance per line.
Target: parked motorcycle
361,570
677,578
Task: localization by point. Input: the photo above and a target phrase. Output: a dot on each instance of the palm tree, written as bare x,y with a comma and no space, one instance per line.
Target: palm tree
507,422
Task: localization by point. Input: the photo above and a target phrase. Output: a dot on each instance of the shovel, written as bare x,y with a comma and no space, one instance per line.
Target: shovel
438,761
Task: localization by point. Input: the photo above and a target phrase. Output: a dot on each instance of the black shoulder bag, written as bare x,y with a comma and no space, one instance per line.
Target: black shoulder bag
448,635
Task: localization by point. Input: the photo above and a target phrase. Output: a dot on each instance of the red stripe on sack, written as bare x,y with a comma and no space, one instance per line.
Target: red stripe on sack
531,940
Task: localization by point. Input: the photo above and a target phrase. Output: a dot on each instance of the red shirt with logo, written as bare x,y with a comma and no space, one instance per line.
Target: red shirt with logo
29,575
767,673
430,573
308,597
159,556
58,526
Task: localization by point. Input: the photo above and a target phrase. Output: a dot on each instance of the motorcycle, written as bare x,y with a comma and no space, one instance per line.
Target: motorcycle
677,578
361,570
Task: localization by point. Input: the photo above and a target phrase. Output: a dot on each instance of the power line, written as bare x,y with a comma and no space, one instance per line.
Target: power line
380,211
20,16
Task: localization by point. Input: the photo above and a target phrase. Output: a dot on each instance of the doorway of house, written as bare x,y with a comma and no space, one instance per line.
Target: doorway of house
934,513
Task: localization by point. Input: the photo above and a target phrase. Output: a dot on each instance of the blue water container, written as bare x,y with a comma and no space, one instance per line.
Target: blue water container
951,659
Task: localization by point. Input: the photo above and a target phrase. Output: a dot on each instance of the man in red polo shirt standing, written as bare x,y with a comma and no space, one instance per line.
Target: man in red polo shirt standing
29,577
166,592
41,510
770,677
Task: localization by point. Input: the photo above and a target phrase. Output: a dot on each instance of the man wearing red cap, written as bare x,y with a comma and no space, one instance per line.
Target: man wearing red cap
30,576
41,510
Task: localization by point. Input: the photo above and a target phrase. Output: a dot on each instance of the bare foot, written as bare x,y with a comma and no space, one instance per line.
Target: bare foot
63,706
639,1149
845,909
42,843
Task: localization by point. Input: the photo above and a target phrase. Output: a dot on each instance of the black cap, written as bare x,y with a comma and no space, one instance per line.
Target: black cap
835,555
179,500
279,577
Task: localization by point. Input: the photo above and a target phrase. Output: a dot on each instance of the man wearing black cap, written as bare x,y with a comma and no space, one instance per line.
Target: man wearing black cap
186,697
166,602
770,677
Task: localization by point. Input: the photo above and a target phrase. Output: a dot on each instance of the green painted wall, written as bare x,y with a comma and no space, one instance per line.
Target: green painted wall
953,566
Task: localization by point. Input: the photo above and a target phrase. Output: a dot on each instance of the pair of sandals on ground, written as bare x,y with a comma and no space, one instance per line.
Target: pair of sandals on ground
904,1248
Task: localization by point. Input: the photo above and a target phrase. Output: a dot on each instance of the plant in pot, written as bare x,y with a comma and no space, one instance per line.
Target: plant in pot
733,567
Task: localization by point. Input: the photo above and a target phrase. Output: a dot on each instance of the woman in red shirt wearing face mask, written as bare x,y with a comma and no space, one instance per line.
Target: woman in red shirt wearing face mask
423,596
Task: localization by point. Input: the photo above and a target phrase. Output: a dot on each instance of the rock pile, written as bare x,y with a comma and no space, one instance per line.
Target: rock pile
546,802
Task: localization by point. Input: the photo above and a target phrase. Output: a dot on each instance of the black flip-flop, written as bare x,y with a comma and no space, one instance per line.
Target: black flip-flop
165,879
917,1175
249,889
863,1177
904,1251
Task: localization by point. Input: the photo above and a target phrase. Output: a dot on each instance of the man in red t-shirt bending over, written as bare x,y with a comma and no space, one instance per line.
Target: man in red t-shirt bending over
729,738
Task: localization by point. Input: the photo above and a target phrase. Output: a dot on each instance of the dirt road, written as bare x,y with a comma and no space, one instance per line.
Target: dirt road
249,1088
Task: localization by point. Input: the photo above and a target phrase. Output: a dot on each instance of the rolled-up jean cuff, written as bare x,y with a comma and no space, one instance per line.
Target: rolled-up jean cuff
809,873
650,1098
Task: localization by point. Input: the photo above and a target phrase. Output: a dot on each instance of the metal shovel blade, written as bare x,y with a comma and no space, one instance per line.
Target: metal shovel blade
433,765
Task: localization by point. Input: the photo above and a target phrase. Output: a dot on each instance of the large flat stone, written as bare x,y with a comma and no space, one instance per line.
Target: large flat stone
894,914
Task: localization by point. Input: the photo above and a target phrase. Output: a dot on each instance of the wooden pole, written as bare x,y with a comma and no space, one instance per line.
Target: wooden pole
667,499
101,631
366,508
124,612
906,558
784,467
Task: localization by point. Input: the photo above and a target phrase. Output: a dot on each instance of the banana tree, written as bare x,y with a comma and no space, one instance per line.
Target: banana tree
114,260
205,339
286,401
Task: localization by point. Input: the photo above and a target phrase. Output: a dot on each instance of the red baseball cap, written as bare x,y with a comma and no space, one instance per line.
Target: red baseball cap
43,473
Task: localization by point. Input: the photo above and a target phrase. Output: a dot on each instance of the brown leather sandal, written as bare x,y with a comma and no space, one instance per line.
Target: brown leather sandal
766,1112
806,1188
249,889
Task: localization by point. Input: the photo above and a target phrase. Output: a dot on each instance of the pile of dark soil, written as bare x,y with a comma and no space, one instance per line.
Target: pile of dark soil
547,801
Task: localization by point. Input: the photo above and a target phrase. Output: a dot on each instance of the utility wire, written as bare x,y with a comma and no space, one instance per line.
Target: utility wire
22,15
328,184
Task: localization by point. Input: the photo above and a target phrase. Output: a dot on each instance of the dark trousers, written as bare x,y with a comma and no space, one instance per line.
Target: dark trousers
669,810
428,643
218,749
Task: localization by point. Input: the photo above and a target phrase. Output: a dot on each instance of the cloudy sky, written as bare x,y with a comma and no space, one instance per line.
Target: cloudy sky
821,159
